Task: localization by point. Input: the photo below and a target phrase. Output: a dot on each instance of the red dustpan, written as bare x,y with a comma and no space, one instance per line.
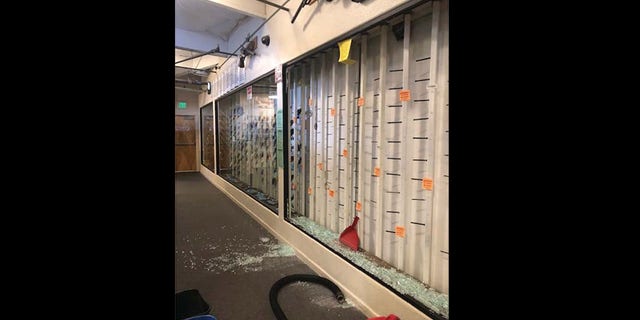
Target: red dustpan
350,235
389,317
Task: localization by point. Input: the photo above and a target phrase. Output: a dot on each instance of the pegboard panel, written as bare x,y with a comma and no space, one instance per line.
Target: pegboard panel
381,153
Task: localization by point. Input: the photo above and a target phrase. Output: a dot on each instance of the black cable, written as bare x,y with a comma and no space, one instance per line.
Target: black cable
275,288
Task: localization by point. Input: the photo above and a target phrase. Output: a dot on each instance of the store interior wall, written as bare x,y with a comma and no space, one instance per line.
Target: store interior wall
193,108
314,26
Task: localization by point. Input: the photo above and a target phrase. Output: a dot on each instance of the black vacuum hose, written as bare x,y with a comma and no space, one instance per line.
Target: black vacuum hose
275,288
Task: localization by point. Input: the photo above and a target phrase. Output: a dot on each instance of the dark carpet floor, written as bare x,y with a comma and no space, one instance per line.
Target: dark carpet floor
233,261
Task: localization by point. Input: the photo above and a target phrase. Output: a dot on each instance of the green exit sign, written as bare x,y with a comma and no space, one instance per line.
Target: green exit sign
182,105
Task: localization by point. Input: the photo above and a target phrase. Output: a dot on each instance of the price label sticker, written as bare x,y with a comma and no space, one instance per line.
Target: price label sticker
358,206
360,102
345,153
331,193
405,95
427,184
309,190
376,171
400,231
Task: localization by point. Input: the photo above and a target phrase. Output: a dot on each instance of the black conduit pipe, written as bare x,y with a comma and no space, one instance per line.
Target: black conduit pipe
275,288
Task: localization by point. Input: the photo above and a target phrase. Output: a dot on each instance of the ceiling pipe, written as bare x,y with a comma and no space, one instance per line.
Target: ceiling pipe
208,70
193,82
190,90
211,52
253,33
275,5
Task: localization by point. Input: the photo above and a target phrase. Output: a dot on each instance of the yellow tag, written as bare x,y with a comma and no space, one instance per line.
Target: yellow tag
405,95
345,47
400,231
427,184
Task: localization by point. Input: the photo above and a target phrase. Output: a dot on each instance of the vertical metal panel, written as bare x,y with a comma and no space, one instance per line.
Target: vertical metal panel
380,146
370,109
438,275
361,143
417,155
292,138
321,188
432,256
312,141
303,106
347,105
391,138
335,155
405,169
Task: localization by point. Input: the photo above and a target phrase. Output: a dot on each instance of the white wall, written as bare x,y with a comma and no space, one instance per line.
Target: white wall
315,25
198,40
193,108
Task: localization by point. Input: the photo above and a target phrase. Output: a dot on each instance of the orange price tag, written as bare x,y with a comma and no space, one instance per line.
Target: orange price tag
427,184
405,95
333,112
345,153
293,186
376,171
320,165
331,193
358,206
400,231
309,190
310,101
360,102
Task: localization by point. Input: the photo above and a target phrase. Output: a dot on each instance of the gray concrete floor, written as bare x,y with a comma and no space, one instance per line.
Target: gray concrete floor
233,261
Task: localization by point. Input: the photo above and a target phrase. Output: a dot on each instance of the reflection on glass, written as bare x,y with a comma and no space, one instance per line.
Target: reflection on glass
247,133
208,137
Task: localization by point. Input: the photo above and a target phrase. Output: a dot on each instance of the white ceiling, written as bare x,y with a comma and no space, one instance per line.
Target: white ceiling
202,25
208,17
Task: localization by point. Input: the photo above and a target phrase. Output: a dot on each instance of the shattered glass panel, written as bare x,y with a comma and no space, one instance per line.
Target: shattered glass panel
247,133
398,280
208,136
